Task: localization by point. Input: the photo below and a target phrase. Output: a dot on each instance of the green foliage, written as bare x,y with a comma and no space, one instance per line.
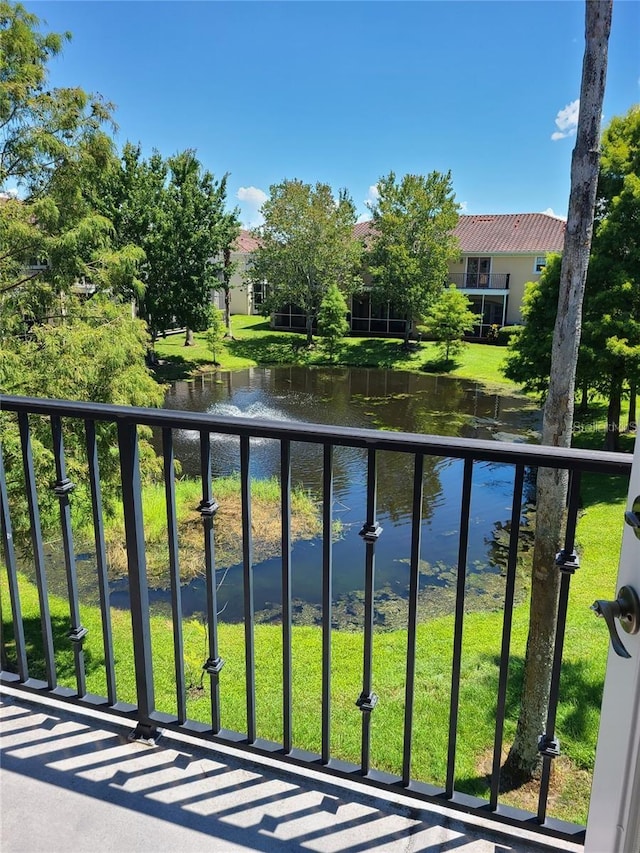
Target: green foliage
529,358
332,321
306,245
53,153
413,222
41,129
505,333
609,355
215,332
97,355
448,319
610,351
175,211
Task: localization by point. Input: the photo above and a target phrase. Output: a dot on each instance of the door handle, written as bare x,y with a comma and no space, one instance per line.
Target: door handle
626,609
632,517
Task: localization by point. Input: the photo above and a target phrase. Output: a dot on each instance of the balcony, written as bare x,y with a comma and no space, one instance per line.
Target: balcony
96,790
89,756
480,281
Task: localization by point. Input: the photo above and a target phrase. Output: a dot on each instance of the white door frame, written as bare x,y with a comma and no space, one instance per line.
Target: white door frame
614,812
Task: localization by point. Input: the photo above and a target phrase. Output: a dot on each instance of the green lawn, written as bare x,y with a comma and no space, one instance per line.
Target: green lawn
255,343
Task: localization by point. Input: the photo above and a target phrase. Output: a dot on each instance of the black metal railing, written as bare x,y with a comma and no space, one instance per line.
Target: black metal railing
127,423
480,281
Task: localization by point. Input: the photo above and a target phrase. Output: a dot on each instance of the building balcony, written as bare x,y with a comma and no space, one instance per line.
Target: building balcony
480,281
69,758
70,779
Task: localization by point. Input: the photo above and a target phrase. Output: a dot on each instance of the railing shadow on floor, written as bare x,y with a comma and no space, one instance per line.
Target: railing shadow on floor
204,795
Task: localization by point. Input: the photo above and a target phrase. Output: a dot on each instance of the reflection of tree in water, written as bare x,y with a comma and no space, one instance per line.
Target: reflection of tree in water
498,542
395,485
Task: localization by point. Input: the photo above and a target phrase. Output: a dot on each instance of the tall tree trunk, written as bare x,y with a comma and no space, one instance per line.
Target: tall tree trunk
188,338
631,420
227,312
584,397
309,329
612,437
523,760
226,278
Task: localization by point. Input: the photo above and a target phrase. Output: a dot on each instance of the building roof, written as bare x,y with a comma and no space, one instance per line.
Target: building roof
512,232
245,242
486,234
362,230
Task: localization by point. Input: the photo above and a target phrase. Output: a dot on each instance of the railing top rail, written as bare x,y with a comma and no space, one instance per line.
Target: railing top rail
460,448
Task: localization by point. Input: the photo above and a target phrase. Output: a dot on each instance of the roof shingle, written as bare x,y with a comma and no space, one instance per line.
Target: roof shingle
245,242
530,233
512,232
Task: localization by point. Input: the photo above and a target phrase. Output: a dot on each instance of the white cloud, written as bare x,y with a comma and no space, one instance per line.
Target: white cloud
567,121
252,195
550,212
372,196
251,200
463,206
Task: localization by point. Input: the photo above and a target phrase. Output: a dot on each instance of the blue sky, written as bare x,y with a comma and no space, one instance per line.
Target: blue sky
344,92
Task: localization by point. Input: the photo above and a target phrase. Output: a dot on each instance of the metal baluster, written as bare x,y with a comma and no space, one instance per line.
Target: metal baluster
174,572
38,552
567,562
12,576
62,489
506,633
327,578
414,589
458,626
285,512
208,507
370,533
137,573
101,558
247,562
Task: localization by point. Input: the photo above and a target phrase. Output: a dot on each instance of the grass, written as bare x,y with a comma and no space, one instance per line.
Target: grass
599,535
266,525
254,343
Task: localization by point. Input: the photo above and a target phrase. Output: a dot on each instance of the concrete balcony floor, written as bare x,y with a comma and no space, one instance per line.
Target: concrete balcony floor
71,780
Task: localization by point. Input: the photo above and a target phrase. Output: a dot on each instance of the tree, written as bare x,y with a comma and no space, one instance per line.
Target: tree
225,285
175,211
524,758
413,242
448,319
528,360
306,245
97,355
40,129
52,150
612,306
332,320
215,332
199,230
609,354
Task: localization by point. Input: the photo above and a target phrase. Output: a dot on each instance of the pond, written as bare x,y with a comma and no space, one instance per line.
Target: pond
379,399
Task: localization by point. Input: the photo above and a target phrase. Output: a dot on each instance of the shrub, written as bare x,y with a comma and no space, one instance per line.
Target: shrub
505,334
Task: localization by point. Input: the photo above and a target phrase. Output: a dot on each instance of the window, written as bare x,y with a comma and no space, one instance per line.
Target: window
259,293
478,271
540,263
